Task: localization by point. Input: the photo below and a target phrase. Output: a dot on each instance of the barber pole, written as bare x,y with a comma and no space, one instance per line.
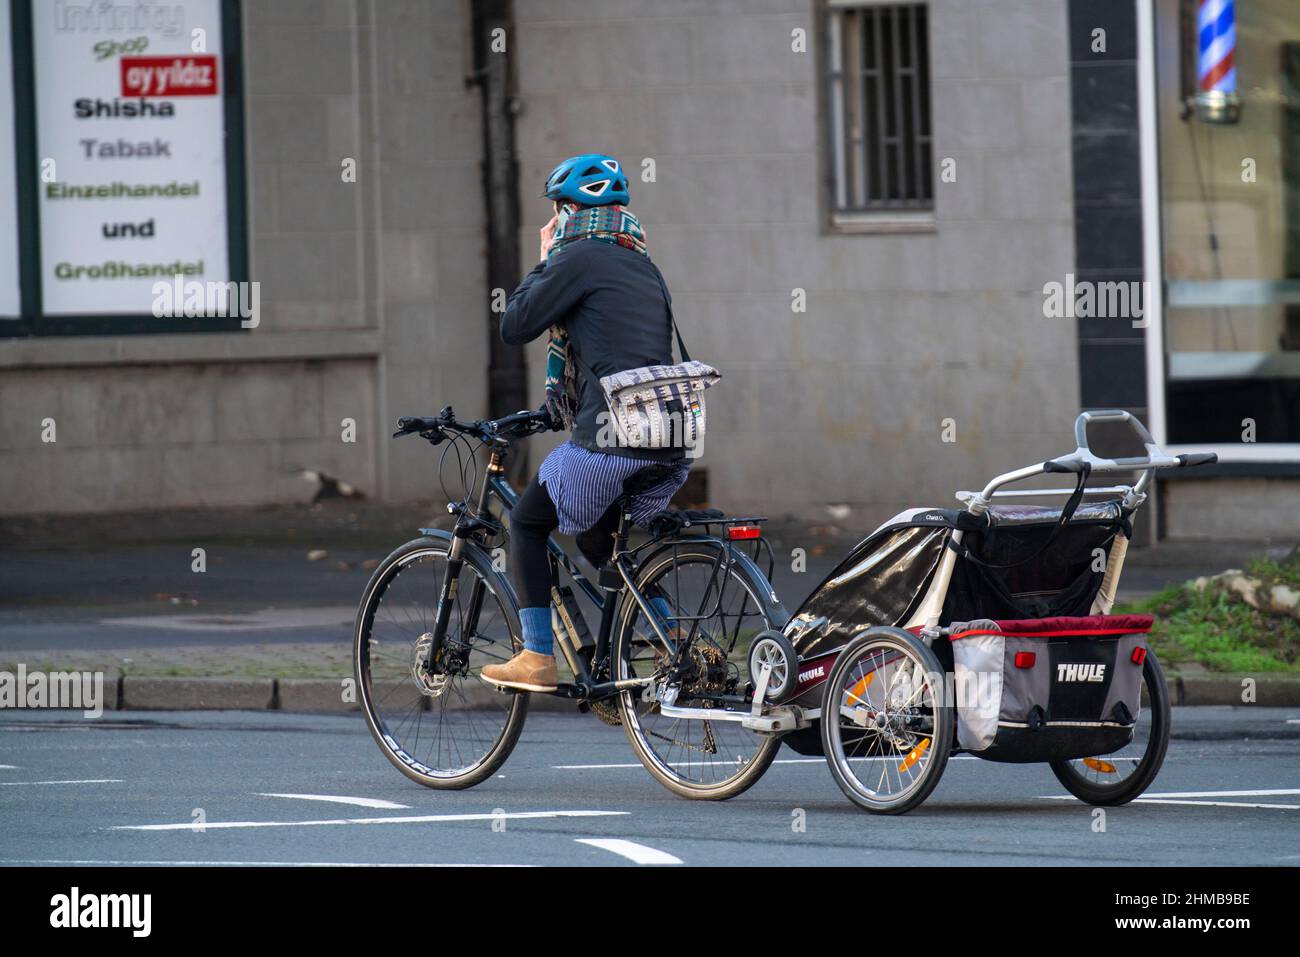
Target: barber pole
1216,73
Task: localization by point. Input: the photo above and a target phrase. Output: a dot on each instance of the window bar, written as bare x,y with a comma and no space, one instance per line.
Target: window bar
885,192
865,79
927,138
903,187
859,139
838,145
918,131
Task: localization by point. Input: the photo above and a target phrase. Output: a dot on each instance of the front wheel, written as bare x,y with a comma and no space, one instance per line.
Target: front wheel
887,725
428,709
1113,779
704,759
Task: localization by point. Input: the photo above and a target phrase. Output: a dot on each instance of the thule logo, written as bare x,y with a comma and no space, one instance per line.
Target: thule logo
1090,672
812,673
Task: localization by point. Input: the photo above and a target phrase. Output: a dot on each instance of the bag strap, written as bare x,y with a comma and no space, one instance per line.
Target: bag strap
1067,513
668,301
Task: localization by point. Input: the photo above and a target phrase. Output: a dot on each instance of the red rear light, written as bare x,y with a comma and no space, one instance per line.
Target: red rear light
1139,655
1025,659
741,532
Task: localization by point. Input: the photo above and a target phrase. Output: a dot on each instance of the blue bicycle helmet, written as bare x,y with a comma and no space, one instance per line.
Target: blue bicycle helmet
592,179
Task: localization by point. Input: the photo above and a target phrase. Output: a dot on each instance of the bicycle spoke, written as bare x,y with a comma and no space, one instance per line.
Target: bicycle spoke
710,605
461,732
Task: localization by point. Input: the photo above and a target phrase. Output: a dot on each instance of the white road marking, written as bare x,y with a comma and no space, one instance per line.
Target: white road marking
1181,797
1246,804
420,819
705,764
12,784
1197,798
253,864
9,767
1293,720
1267,792
340,799
637,853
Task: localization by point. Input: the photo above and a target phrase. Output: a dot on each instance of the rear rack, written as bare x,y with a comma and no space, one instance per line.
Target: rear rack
761,553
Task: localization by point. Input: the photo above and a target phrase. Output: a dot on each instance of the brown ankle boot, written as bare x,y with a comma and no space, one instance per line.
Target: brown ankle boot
526,671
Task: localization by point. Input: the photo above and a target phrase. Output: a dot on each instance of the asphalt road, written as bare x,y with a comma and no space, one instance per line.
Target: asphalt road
90,792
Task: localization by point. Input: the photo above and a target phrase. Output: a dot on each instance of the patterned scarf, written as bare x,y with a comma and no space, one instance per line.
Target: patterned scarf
609,224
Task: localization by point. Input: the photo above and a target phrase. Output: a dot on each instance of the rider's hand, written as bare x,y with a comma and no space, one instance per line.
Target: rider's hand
553,424
547,237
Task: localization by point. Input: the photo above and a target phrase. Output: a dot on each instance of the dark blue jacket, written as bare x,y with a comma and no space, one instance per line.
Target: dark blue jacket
611,301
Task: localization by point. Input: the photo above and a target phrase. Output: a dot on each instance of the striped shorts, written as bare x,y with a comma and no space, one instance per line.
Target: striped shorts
582,484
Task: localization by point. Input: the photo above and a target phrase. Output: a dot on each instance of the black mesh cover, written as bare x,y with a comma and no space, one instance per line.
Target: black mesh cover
1062,580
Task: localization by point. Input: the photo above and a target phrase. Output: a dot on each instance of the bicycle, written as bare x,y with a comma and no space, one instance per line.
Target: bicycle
683,687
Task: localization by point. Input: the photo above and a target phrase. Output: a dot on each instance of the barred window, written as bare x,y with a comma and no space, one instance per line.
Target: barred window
877,62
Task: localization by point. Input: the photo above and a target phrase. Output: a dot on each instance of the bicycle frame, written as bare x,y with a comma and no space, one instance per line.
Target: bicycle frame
591,681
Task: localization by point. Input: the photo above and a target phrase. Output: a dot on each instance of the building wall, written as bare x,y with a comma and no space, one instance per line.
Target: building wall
373,300
843,404
1231,509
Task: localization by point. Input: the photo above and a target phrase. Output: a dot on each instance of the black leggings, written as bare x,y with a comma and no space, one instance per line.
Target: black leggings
533,519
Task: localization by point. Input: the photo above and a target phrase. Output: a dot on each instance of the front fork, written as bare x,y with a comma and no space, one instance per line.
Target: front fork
451,584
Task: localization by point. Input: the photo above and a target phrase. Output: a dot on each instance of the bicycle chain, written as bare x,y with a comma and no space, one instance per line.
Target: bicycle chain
710,745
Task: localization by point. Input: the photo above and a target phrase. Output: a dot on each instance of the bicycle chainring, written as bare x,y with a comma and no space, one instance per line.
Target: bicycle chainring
607,711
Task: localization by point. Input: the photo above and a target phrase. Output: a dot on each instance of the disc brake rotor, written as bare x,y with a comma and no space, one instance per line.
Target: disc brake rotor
431,685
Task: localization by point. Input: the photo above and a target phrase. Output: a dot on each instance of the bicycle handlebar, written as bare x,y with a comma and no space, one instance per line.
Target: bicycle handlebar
494,431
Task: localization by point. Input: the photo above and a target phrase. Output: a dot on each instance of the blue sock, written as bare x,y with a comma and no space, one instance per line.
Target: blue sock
665,610
537,629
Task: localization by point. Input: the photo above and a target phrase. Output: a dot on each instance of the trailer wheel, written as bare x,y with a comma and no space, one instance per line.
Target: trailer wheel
775,649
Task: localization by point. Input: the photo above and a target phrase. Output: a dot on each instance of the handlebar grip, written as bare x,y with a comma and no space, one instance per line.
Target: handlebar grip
1198,458
409,424
1057,465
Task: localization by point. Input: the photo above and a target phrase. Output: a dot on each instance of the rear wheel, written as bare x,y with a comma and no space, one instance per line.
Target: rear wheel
887,726
696,758
1118,778
437,721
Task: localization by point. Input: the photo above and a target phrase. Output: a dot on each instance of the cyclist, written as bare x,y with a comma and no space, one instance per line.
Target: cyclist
604,305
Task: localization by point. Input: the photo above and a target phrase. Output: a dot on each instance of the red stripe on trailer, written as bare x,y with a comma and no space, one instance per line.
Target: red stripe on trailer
1073,633
1080,622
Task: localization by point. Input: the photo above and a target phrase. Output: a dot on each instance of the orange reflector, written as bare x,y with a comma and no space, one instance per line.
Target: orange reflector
917,753
743,531
1025,659
1139,655
1097,764
860,686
